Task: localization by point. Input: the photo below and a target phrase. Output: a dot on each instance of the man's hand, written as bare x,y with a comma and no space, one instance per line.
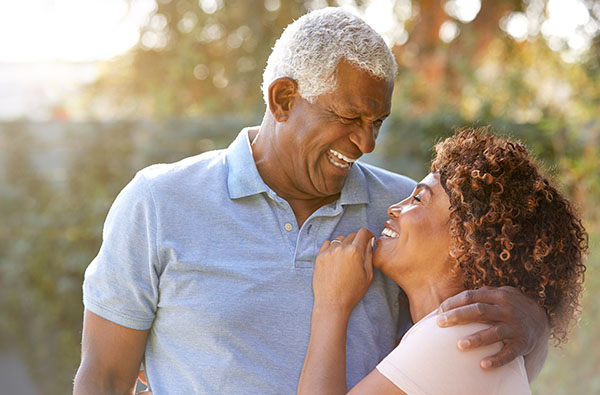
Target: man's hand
516,320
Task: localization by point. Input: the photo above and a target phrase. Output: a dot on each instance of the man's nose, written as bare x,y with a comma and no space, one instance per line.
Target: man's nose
364,138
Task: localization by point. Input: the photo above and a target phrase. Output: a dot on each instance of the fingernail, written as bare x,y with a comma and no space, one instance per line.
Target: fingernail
442,320
464,344
486,364
372,242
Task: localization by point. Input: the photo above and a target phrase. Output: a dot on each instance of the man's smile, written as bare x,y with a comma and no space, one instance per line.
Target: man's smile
340,160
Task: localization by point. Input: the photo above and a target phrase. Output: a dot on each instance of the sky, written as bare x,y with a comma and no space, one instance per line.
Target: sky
69,30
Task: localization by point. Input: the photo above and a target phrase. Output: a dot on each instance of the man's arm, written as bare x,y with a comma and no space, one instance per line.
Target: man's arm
110,357
516,320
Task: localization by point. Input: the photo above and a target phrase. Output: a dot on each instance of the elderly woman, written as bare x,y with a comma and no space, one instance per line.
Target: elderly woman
484,216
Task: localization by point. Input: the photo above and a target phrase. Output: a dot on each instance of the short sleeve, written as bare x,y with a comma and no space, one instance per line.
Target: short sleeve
427,361
121,283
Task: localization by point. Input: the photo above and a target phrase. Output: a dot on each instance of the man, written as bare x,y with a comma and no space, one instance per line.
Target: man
206,265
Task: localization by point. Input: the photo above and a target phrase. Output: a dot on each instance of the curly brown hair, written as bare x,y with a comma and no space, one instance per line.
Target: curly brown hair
510,226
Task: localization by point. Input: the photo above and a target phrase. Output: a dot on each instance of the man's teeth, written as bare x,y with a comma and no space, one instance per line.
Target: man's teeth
390,233
338,164
342,156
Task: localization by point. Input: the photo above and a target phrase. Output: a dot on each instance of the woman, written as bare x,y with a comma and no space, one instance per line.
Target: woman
484,216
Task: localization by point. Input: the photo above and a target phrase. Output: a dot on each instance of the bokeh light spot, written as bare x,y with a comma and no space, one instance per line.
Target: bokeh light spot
449,31
516,25
463,10
201,72
272,5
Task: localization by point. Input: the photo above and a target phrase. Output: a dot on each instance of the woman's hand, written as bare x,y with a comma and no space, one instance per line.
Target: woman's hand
342,275
343,271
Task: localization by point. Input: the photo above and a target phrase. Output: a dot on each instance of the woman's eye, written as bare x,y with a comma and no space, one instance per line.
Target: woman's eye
416,198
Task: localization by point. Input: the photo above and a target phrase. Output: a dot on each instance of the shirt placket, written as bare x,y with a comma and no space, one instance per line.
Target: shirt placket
286,220
315,230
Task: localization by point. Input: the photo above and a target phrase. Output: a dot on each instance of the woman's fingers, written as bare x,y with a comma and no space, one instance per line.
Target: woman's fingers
362,237
348,239
324,246
368,262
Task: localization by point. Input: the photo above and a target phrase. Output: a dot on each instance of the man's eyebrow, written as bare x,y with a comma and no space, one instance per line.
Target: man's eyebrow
424,186
356,111
353,108
348,109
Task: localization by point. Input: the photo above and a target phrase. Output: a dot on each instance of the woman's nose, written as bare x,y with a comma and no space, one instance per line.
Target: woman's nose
394,210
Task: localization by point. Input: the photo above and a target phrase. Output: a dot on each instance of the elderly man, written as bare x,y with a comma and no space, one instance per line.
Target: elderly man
206,264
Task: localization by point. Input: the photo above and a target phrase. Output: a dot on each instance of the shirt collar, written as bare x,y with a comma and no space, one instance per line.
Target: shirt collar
355,190
244,180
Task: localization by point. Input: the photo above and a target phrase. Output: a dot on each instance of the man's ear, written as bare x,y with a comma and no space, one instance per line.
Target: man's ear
282,94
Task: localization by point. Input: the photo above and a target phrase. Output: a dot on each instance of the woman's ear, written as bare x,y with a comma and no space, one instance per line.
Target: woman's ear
282,93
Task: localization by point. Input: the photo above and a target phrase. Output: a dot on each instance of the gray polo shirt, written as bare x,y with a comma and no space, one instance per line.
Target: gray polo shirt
204,254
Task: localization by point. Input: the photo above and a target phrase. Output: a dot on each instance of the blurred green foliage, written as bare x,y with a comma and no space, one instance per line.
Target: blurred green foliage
57,181
194,81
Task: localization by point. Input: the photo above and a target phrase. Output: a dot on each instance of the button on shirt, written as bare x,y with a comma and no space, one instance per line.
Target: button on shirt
204,254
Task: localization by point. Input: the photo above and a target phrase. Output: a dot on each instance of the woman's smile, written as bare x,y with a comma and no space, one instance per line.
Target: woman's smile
389,233
416,232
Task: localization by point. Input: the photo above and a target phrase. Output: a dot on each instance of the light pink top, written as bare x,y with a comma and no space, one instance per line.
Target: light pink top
427,361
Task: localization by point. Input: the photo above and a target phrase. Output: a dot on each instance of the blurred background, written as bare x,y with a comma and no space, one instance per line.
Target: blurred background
91,91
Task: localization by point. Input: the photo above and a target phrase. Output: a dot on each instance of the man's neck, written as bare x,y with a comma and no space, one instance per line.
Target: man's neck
304,208
302,204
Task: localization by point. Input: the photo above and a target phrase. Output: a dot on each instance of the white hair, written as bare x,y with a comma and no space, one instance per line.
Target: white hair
311,48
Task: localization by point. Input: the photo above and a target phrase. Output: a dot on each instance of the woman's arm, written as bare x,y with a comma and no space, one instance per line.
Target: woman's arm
342,275
324,369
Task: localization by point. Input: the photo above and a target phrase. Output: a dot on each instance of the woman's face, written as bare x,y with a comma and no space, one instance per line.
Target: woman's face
416,238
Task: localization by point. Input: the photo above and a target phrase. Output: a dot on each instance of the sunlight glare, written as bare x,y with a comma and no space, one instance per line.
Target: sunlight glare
566,25
449,31
386,17
517,25
70,30
463,10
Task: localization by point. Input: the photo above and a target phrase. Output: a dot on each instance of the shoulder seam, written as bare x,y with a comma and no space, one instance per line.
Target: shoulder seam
156,220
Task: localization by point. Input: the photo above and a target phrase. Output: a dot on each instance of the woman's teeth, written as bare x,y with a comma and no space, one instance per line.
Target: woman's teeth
389,233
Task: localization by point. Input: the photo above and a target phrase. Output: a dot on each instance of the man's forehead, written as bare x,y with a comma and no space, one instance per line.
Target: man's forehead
353,100
357,103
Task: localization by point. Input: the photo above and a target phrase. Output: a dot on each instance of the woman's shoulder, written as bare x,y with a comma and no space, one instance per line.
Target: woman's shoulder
448,337
427,360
